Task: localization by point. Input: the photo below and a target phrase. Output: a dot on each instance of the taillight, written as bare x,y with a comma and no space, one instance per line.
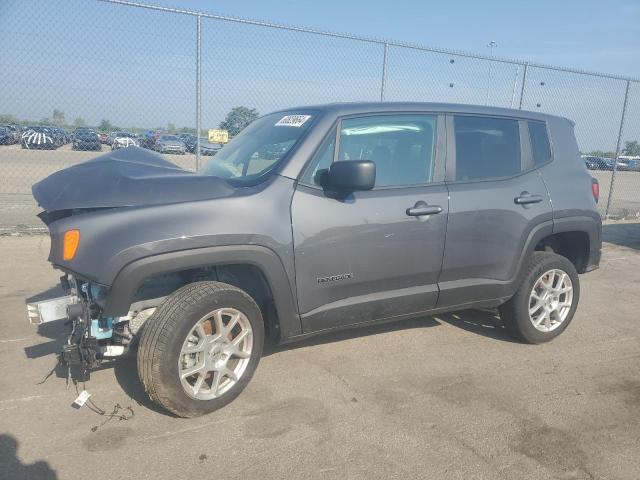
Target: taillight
595,189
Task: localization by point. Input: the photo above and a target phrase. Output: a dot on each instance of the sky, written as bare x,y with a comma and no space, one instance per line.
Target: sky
137,67
598,35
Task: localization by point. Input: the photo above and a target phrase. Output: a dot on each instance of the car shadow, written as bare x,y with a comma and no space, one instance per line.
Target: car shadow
49,293
623,234
125,371
482,322
13,467
271,347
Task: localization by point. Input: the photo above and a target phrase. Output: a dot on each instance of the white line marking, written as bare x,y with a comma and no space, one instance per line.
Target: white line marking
15,340
22,399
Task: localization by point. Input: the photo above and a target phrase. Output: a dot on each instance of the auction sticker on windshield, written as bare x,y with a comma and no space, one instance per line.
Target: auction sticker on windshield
292,120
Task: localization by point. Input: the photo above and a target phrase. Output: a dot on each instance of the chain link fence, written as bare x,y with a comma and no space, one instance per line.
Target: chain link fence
120,66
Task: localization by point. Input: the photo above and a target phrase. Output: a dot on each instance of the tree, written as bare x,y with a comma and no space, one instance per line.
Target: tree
105,125
58,117
79,122
171,127
237,119
600,153
631,149
6,119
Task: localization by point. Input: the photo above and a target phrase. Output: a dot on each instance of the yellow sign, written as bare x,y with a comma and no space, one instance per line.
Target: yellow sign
218,136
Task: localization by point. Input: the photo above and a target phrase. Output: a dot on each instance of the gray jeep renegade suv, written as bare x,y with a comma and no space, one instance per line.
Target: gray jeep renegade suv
311,220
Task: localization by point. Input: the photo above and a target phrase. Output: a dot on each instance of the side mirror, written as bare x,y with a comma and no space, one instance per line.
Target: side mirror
351,175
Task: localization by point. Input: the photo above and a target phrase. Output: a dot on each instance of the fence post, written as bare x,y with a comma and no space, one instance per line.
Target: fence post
515,84
615,161
384,71
524,81
198,87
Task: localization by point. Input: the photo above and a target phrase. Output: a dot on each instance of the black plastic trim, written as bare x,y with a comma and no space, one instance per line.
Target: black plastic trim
130,278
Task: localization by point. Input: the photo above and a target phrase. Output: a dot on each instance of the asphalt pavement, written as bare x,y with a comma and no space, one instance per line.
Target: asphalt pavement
444,397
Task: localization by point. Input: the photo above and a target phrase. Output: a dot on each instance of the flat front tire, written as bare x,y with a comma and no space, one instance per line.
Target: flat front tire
546,300
200,348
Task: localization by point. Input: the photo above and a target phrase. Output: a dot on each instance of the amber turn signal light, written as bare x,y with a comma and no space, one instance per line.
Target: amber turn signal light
70,244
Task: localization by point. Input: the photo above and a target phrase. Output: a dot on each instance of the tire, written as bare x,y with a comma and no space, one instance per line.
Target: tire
169,330
515,312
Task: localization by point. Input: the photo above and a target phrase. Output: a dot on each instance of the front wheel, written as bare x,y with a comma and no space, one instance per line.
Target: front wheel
546,301
200,348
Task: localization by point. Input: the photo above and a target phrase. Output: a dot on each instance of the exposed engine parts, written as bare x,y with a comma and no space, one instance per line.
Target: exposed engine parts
92,338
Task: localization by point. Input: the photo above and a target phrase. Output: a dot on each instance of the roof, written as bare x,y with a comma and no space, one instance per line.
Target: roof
351,108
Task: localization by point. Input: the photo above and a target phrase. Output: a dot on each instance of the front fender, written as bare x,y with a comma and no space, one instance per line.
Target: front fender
131,277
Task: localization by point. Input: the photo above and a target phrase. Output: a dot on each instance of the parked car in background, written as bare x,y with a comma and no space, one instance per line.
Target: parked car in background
170,144
15,131
80,130
86,139
104,137
189,141
39,138
6,136
598,163
633,165
209,149
147,139
123,140
206,148
61,135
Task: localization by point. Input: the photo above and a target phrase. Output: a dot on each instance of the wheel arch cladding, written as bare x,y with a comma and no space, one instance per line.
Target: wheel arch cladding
573,245
132,276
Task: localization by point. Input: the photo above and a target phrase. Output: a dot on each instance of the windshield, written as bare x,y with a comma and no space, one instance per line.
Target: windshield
169,138
260,146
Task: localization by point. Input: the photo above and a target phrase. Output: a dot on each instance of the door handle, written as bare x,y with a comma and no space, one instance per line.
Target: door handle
420,209
527,198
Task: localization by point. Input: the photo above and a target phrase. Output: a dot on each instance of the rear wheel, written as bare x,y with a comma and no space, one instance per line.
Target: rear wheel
546,301
200,348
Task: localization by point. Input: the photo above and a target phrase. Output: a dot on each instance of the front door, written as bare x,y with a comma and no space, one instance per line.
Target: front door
374,254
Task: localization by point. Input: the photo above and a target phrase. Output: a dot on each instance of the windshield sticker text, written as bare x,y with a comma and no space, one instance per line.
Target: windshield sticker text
292,120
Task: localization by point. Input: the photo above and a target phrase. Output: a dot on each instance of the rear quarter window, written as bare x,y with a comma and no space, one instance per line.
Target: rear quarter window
540,145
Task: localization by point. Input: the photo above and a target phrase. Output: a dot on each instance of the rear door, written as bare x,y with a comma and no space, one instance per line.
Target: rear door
497,199
369,256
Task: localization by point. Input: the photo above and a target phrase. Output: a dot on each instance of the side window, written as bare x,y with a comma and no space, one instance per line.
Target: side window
486,147
401,146
540,146
321,161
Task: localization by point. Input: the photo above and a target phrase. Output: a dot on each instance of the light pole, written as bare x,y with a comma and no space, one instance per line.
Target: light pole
492,44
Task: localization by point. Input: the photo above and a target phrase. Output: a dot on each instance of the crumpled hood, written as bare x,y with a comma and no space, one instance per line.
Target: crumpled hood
132,176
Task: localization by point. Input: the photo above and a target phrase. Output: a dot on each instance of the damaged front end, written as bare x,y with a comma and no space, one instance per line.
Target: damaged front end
92,211
93,337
